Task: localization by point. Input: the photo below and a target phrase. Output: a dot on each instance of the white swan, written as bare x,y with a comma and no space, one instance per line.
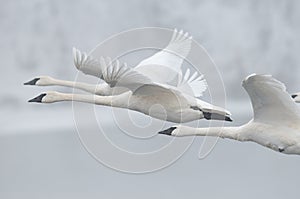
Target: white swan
143,93
276,121
167,63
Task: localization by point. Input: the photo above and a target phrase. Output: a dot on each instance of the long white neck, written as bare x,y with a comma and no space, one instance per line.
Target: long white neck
100,89
223,132
115,101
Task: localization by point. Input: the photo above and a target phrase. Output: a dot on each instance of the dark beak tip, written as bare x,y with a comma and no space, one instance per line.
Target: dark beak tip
167,131
38,99
33,100
163,133
32,82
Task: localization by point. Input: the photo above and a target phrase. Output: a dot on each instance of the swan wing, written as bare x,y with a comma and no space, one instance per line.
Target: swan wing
168,61
165,95
86,63
116,74
192,84
111,71
270,101
169,96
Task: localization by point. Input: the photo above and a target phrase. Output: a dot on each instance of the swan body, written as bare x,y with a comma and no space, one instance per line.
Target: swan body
276,121
158,101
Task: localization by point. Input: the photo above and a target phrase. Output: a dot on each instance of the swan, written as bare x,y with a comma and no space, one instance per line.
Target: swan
143,94
275,124
141,89
167,63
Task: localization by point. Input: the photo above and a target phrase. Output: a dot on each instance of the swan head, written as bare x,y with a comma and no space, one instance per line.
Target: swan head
48,97
40,81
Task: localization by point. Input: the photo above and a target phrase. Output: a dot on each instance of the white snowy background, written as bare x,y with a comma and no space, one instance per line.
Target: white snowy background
40,152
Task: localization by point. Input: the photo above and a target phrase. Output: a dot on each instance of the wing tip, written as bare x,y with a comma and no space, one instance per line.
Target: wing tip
255,77
263,79
74,49
76,57
196,82
180,36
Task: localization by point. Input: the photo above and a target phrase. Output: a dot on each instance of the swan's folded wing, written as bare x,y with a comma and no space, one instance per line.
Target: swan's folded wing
270,101
87,64
120,75
169,96
168,59
163,94
194,85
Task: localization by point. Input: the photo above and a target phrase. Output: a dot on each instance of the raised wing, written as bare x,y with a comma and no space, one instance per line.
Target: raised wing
115,74
270,101
87,64
193,85
168,61
112,72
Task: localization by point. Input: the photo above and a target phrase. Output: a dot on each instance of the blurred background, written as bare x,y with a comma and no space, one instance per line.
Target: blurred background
40,153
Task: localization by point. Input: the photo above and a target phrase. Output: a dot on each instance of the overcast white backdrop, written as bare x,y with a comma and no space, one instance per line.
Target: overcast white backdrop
40,152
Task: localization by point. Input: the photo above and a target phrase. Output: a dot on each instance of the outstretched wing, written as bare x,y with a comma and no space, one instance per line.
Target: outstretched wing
270,101
116,74
193,85
168,61
87,64
112,72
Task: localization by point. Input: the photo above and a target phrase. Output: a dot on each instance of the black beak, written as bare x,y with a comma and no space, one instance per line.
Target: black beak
167,131
32,82
38,99
293,96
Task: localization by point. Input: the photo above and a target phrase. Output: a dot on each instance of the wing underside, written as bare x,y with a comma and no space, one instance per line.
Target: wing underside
269,98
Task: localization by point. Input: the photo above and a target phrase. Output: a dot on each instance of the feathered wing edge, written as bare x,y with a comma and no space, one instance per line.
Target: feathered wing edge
173,54
86,63
111,71
180,43
270,100
195,82
117,74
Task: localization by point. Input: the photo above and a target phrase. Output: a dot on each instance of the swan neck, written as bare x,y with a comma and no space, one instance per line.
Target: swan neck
224,132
